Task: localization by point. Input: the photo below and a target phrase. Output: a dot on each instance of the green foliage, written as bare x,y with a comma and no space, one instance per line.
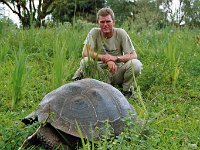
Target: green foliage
167,93
59,60
148,15
69,10
123,10
134,136
172,59
18,74
140,13
4,47
191,17
91,70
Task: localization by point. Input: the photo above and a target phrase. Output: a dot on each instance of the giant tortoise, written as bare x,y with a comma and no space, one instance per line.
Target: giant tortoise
82,105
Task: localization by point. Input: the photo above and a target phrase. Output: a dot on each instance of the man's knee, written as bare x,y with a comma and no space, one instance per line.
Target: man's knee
137,66
83,61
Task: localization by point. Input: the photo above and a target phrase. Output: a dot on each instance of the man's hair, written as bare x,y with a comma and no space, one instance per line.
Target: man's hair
104,12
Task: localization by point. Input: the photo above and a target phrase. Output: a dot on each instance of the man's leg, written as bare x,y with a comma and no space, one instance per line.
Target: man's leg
124,74
79,72
132,66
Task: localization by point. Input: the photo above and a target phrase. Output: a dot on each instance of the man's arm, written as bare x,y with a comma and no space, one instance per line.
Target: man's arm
88,51
105,58
127,57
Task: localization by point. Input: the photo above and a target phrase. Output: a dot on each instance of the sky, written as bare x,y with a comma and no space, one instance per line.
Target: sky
15,18
8,13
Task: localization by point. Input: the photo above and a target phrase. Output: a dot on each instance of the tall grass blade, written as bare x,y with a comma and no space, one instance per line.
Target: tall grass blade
81,136
59,61
176,72
93,70
4,47
18,74
171,55
107,135
138,93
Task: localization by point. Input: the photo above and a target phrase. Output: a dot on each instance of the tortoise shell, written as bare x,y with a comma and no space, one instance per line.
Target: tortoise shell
87,104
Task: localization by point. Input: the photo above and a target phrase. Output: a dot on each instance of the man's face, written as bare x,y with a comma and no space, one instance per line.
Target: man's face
106,24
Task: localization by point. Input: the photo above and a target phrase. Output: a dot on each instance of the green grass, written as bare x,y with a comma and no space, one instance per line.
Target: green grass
4,48
18,74
59,62
167,94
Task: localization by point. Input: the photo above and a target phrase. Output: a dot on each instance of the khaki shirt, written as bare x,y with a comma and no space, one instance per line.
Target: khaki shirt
119,44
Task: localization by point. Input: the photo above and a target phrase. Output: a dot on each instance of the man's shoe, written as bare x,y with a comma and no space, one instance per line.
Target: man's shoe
127,94
78,75
76,79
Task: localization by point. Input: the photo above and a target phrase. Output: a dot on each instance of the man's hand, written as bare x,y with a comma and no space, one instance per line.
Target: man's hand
112,66
106,58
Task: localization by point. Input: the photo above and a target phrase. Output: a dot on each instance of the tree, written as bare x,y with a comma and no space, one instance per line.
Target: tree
191,12
187,12
84,9
149,13
29,12
137,13
123,9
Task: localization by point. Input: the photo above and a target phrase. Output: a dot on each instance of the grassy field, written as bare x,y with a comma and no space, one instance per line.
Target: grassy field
34,62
